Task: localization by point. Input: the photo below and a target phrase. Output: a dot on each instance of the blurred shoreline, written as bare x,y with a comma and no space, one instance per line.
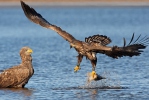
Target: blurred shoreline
81,3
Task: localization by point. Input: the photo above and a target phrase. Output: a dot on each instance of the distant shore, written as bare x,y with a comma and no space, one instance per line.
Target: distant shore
7,3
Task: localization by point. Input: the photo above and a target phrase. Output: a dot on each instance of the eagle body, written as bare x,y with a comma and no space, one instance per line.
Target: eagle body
18,76
93,44
79,47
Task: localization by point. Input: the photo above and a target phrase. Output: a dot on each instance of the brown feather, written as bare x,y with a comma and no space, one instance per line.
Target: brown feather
132,49
18,76
35,17
93,44
100,39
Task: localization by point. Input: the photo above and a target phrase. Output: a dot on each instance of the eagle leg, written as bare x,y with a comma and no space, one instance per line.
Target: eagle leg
93,62
80,57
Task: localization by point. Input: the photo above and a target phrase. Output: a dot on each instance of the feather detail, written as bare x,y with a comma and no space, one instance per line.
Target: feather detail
18,76
100,39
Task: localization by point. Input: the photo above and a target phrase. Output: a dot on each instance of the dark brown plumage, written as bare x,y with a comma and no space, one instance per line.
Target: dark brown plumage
18,76
93,44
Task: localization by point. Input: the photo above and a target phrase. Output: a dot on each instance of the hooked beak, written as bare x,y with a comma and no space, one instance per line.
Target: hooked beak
30,51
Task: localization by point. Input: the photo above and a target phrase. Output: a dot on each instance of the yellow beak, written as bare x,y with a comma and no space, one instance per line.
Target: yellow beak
30,51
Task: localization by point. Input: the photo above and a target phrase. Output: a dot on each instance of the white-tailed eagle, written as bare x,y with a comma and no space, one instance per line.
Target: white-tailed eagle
18,76
92,44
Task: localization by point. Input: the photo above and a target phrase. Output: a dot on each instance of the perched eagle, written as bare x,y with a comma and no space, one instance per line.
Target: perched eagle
92,45
18,76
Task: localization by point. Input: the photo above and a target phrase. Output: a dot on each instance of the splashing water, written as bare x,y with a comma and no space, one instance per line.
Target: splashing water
108,83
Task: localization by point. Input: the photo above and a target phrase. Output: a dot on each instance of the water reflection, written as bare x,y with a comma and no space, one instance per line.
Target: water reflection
25,92
93,93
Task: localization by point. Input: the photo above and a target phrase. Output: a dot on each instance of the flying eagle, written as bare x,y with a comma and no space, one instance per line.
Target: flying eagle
18,76
92,45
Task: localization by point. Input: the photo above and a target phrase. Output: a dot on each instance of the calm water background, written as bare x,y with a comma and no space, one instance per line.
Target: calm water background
53,60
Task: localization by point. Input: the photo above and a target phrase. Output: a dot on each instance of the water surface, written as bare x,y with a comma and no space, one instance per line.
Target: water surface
53,60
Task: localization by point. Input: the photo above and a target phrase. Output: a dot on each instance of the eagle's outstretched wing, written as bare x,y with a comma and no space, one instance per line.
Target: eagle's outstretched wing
134,48
35,17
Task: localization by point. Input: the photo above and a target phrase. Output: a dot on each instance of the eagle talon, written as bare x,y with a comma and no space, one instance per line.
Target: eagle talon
77,68
94,76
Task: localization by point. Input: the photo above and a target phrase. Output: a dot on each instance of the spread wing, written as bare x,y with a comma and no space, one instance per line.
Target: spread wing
97,43
99,39
13,76
35,17
134,48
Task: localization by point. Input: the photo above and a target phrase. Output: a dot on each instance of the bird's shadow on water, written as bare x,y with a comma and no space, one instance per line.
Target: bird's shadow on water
22,91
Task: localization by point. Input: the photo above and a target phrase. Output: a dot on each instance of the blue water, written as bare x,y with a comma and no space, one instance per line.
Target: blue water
53,60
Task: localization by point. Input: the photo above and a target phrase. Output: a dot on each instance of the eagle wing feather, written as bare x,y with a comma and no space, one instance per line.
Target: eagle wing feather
35,17
132,49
